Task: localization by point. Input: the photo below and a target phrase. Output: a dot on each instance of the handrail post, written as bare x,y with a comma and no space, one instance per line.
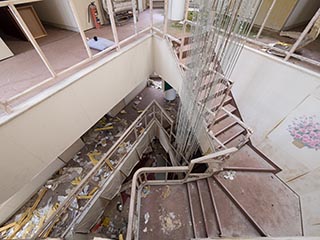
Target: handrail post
303,34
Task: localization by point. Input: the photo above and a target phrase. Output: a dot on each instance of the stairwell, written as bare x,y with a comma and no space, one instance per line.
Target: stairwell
244,199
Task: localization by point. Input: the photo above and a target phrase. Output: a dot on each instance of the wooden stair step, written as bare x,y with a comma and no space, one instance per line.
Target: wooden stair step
222,114
232,221
223,125
240,139
196,211
208,210
230,134
248,158
217,101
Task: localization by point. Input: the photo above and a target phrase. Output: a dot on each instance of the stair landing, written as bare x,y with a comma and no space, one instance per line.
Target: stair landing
165,213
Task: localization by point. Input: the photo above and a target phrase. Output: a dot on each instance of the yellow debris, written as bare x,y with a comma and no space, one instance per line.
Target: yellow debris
90,194
121,236
123,111
93,191
84,197
76,181
106,222
8,226
109,164
26,217
103,128
166,193
92,156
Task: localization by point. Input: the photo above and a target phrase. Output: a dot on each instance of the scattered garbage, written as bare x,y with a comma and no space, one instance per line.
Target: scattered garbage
119,207
146,217
169,222
229,175
155,84
166,193
145,191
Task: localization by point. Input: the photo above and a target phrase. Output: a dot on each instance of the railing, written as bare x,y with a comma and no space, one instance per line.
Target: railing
107,165
6,105
183,174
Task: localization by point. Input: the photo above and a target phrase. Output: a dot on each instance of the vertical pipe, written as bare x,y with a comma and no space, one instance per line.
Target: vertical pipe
134,12
151,13
30,37
83,36
165,15
266,18
303,34
113,24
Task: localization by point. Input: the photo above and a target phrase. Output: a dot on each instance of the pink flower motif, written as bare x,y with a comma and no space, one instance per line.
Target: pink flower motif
307,130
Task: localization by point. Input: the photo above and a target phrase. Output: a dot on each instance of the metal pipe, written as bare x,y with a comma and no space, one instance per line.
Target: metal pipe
134,12
165,15
113,24
266,18
151,13
303,34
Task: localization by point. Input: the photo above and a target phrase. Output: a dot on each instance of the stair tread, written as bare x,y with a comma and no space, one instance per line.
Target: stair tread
223,125
230,133
209,214
214,103
272,205
236,141
160,204
196,211
221,114
246,157
233,222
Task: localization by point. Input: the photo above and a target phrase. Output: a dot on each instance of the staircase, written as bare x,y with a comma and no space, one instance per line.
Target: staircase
251,203
243,199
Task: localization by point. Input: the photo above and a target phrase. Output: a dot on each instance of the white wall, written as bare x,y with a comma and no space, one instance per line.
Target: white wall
5,52
31,142
165,64
58,13
270,94
302,13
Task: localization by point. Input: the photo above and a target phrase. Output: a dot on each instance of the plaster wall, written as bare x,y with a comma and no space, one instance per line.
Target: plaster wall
5,52
302,13
165,63
31,141
271,94
58,13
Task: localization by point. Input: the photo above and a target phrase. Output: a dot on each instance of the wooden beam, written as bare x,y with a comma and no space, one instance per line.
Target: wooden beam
30,37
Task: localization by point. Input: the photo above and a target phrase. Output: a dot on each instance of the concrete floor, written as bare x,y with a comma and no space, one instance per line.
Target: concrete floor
62,48
310,51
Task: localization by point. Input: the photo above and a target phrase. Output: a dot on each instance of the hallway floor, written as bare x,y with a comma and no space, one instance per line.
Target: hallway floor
62,48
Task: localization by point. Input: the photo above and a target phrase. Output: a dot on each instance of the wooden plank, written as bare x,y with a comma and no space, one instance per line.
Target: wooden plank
32,20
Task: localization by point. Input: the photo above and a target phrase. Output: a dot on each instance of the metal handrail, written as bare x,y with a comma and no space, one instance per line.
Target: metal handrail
137,181
153,106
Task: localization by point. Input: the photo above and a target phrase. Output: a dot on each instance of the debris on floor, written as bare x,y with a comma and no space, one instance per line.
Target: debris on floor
229,175
281,46
169,222
145,191
166,193
98,140
146,217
